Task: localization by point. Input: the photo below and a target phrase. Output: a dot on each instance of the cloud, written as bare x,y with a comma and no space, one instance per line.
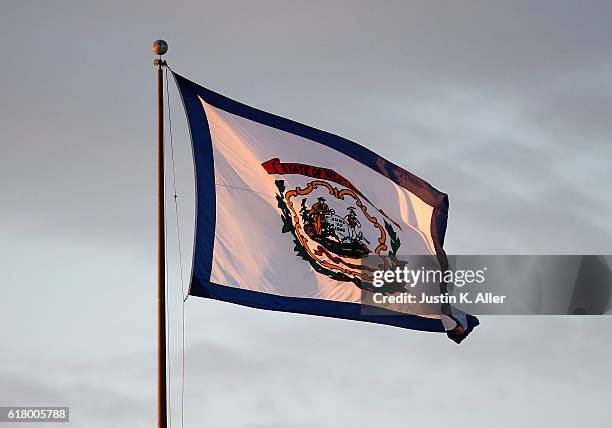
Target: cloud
315,371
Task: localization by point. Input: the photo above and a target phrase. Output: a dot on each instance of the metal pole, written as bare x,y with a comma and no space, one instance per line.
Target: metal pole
160,47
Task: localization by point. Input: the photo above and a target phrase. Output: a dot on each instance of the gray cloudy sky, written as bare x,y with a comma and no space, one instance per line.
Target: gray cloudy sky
505,106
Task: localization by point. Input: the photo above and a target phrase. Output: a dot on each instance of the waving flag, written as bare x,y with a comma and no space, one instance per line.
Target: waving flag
285,212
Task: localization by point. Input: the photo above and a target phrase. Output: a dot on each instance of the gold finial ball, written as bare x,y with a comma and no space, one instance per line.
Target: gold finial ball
160,47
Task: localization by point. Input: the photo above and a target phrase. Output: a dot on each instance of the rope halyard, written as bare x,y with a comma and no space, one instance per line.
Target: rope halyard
175,195
180,253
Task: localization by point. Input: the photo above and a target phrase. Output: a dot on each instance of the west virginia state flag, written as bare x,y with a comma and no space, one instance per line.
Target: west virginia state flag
285,213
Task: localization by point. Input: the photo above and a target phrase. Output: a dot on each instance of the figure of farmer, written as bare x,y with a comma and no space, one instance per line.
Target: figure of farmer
319,212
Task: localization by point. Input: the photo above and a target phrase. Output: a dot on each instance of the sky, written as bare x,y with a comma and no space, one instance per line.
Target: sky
506,106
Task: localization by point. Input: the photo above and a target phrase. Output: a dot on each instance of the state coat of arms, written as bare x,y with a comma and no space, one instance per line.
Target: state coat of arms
333,224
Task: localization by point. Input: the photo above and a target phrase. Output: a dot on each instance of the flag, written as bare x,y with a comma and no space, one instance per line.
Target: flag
285,211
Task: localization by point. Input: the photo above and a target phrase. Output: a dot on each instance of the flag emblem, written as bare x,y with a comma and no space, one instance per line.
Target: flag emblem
332,223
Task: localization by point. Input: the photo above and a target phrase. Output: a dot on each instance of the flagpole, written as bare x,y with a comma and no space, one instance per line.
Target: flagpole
160,47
